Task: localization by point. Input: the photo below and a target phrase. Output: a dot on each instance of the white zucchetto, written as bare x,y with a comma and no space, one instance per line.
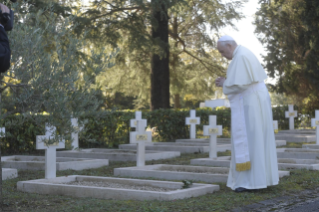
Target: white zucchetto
225,38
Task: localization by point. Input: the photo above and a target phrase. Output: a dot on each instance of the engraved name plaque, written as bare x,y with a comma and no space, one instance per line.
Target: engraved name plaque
213,130
141,137
193,121
292,114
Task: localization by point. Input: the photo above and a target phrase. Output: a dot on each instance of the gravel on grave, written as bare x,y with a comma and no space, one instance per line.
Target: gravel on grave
118,185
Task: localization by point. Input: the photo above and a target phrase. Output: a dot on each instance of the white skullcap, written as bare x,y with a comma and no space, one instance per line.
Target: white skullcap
226,38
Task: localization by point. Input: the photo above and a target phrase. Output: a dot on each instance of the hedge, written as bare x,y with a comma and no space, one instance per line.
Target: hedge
112,128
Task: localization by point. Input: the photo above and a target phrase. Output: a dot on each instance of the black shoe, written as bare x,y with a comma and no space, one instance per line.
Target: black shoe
241,189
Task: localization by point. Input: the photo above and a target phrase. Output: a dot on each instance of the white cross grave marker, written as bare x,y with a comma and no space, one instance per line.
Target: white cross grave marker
75,135
142,126
213,131
193,121
50,150
275,124
2,132
291,114
315,123
140,137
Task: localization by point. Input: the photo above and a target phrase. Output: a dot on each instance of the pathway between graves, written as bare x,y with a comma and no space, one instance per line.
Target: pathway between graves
305,201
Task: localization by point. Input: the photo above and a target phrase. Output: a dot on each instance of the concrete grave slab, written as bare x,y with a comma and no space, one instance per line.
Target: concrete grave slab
179,172
114,188
295,137
293,163
310,146
298,131
219,141
223,161
172,146
192,140
283,163
9,173
298,153
117,154
62,163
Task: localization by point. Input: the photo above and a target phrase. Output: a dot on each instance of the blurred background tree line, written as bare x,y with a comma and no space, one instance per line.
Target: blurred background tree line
289,31
127,31
127,28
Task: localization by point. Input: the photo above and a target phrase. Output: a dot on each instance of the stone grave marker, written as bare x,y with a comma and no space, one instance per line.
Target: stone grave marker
275,124
140,137
315,123
291,114
192,121
2,132
213,131
75,135
7,173
133,124
50,150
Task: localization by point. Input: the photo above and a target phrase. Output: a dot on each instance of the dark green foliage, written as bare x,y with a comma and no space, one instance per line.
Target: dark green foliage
289,31
112,128
187,184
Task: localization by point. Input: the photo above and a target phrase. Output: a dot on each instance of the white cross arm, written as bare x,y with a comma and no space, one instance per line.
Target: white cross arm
315,121
210,130
275,124
190,121
136,137
289,114
133,122
40,143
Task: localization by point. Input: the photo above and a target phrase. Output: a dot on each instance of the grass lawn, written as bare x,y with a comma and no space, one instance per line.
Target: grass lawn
223,200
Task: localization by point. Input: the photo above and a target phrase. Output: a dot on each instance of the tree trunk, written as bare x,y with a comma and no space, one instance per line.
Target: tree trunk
160,63
174,62
177,103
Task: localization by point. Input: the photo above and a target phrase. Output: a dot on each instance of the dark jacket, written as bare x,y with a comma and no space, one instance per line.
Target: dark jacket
5,52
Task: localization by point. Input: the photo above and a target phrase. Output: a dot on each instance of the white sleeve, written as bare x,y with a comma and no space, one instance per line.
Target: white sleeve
235,89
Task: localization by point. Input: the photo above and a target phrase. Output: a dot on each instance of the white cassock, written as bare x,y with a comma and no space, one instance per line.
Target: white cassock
254,157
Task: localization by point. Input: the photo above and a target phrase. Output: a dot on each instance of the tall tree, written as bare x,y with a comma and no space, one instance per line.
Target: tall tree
45,75
289,31
160,63
193,60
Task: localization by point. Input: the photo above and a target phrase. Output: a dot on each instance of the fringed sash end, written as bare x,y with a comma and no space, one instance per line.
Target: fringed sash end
243,166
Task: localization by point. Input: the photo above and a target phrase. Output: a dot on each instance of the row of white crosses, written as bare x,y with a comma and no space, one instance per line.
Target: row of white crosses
43,142
291,114
75,134
315,123
275,124
211,130
192,121
140,137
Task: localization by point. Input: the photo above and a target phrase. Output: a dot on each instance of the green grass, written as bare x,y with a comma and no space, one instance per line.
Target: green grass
223,200
295,144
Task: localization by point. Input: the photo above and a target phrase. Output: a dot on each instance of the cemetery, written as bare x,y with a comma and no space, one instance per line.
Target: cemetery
150,106
24,162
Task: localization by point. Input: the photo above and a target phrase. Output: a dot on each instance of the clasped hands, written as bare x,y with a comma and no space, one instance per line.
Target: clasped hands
219,82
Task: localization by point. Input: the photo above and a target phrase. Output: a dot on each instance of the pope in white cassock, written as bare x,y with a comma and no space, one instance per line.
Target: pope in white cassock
254,158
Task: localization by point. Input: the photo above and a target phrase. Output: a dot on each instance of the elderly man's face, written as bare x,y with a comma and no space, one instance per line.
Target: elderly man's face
225,51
